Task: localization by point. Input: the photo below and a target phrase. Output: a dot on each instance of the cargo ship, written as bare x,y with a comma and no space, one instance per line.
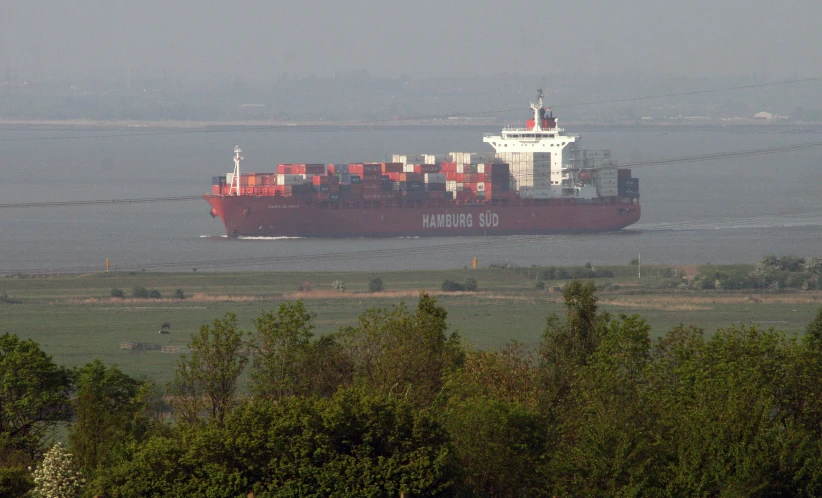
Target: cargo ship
538,180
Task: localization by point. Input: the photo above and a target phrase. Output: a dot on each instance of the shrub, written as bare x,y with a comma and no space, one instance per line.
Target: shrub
154,294
540,285
140,292
118,293
179,294
338,285
4,297
470,284
451,286
305,287
375,285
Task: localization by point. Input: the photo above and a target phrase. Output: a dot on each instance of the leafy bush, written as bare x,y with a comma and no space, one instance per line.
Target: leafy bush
540,285
470,284
15,481
179,294
154,294
118,293
451,286
305,287
338,285
4,297
375,285
140,292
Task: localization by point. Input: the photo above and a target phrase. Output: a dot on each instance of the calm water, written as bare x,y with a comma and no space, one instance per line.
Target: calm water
733,210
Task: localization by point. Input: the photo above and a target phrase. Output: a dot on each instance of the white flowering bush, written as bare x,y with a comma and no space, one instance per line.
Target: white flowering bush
56,477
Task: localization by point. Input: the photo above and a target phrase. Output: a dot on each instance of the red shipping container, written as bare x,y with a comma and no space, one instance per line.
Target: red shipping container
320,180
623,173
394,177
215,189
372,168
448,167
369,176
355,169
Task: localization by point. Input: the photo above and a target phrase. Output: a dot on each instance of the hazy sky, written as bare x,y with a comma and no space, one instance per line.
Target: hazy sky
422,38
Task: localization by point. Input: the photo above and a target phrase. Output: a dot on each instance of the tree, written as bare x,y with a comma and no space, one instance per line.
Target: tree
498,446
375,285
56,476
179,294
350,445
611,444
34,399
208,380
566,347
813,332
110,412
394,351
281,344
154,294
118,293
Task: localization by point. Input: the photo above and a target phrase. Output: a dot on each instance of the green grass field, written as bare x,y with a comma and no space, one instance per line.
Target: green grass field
75,319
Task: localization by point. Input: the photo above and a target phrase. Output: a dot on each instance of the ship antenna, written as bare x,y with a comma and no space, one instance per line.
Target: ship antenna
237,159
537,107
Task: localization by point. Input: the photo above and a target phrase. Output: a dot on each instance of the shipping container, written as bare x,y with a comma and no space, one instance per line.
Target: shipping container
434,178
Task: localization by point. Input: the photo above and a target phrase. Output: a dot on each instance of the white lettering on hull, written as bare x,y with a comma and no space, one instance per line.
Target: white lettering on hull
488,219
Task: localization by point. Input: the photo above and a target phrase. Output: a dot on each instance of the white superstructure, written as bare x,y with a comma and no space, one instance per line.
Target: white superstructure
545,162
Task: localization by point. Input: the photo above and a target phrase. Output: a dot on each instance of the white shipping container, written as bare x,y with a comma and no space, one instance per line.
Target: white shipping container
434,178
451,186
397,158
408,168
283,179
606,173
606,182
429,159
229,178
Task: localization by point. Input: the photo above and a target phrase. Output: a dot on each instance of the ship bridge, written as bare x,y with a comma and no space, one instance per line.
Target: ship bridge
543,158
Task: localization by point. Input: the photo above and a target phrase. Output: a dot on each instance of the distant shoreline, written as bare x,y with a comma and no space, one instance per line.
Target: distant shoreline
77,124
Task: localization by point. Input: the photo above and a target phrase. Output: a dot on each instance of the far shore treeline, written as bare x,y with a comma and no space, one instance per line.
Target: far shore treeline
399,404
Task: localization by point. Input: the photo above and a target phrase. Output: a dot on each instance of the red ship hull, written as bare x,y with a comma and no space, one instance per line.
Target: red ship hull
276,216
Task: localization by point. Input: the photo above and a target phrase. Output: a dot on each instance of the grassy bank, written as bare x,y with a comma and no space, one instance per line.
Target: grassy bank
75,319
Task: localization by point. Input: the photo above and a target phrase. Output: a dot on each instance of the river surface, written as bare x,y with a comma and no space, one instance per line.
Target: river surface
731,210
